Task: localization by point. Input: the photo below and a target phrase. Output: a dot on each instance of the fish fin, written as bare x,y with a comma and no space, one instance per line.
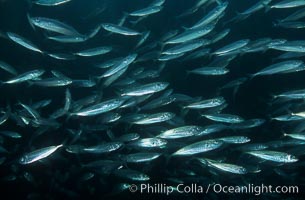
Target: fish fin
185,28
219,2
267,8
110,135
234,93
30,21
188,72
251,76
94,32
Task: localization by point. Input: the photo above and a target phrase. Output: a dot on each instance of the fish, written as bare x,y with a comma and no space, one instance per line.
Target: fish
52,82
227,118
209,71
288,4
119,29
68,38
235,139
124,63
281,67
145,36
199,147
189,35
50,2
155,118
255,8
8,68
23,42
145,89
290,46
298,136
94,51
235,169
122,95
290,25
207,103
299,14
11,134
62,56
103,148
131,175
294,94
211,16
38,154
274,156
100,108
27,76
185,47
141,157
146,11
235,46
181,132
54,26
149,143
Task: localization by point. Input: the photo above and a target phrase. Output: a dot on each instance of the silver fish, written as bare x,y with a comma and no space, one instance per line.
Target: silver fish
53,82
185,47
155,118
235,46
131,175
68,38
94,51
11,134
235,139
212,15
228,118
124,63
235,169
23,42
282,67
181,132
274,156
38,154
50,2
149,143
198,147
212,71
141,157
288,4
146,11
30,75
99,108
290,46
8,68
119,29
103,148
145,89
298,136
54,26
190,35
207,103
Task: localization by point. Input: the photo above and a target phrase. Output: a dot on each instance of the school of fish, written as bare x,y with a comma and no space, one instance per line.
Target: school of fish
115,117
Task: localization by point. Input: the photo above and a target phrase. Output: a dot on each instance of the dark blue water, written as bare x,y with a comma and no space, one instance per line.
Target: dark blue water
59,177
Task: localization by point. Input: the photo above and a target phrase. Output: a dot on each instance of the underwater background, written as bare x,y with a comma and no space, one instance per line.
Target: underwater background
64,174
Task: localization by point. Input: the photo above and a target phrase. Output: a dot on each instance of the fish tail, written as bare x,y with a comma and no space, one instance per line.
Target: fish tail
267,8
30,21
